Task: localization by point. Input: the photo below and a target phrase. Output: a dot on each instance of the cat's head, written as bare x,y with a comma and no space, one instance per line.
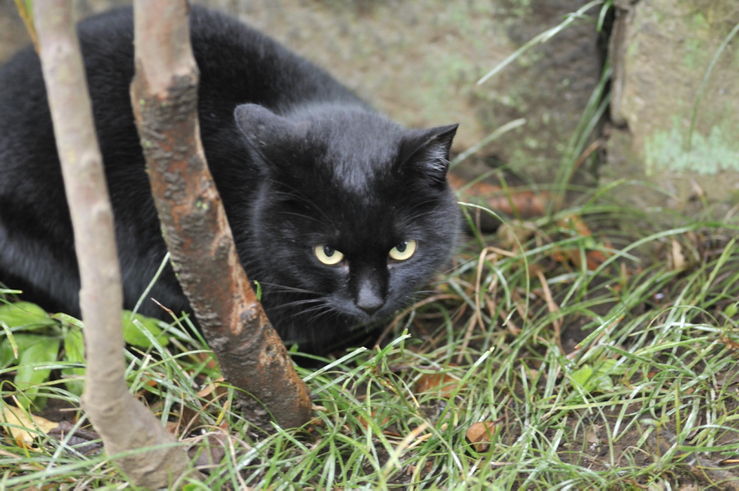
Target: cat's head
354,213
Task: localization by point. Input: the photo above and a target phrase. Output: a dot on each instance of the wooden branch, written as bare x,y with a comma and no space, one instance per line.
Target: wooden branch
123,422
164,97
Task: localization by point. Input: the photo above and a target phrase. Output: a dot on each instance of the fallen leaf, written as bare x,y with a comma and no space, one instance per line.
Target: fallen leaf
730,342
593,257
385,420
591,435
22,425
443,383
675,257
515,233
520,203
513,202
214,390
207,358
481,434
524,204
575,223
478,189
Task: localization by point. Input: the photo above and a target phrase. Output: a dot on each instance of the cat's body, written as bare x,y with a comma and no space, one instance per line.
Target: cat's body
307,173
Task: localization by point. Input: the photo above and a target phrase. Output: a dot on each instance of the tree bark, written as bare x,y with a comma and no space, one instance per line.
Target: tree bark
164,97
123,422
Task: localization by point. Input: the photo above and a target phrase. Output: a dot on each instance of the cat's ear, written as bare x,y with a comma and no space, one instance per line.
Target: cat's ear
262,127
426,152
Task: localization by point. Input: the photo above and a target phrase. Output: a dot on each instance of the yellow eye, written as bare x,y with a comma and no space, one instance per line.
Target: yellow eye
327,255
403,251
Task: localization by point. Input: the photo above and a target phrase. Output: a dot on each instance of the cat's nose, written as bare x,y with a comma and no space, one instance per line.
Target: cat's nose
368,299
370,307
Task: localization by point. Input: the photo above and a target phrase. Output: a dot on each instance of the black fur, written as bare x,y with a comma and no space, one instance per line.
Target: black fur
299,161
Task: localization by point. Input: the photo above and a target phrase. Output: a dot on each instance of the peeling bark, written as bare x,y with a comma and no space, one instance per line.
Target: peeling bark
164,97
123,422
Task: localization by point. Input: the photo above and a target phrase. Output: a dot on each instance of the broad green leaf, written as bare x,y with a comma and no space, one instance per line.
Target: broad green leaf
601,383
731,309
582,375
24,314
22,343
132,332
598,380
28,377
74,351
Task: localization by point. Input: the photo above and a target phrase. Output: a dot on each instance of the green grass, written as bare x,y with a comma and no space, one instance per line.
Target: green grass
644,393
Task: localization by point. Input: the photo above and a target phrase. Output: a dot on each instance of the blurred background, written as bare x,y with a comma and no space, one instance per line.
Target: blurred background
643,91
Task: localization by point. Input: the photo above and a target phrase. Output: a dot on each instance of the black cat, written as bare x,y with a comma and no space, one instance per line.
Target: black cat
337,212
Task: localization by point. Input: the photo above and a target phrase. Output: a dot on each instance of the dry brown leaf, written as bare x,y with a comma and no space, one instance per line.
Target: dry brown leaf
675,257
443,383
525,204
576,224
730,342
512,202
593,258
515,233
481,434
313,424
23,426
216,387
480,189
385,420
591,435
208,359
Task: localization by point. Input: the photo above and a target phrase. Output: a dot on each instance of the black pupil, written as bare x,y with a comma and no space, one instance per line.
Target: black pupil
401,247
328,251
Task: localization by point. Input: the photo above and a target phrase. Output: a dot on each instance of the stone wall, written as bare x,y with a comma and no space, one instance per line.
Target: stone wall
678,125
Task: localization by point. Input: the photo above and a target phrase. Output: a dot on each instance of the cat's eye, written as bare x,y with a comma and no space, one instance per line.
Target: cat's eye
328,255
403,251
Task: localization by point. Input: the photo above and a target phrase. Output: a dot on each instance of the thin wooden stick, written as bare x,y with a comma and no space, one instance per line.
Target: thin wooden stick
123,422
